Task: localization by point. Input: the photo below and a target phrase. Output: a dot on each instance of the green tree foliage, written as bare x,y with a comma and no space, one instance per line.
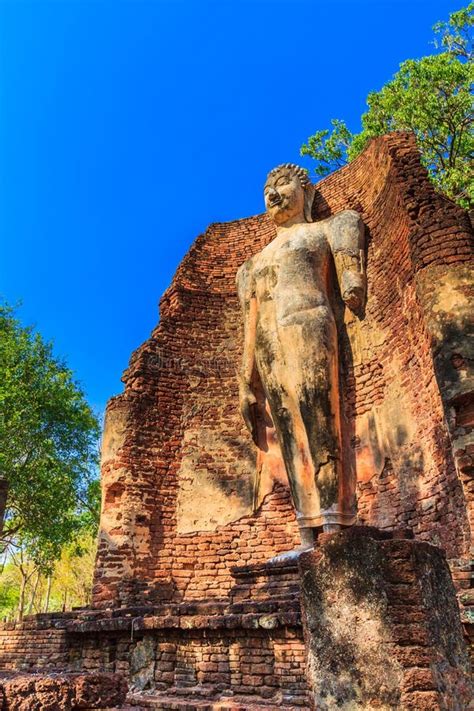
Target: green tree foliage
9,592
48,447
25,589
432,97
329,149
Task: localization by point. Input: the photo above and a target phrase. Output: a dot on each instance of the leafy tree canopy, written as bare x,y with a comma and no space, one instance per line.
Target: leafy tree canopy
48,446
430,96
26,588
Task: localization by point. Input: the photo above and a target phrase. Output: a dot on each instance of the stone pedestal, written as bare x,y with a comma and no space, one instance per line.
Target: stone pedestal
381,624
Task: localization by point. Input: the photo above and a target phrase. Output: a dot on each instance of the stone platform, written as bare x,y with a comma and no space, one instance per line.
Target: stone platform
206,654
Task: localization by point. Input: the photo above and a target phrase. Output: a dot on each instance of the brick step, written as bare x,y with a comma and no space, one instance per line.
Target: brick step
141,702
278,604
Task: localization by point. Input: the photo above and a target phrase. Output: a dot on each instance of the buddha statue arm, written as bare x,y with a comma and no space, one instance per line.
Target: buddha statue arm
248,302
347,240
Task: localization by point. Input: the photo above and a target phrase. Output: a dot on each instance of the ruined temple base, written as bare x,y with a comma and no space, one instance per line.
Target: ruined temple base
185,657
242,653
382,625
367,620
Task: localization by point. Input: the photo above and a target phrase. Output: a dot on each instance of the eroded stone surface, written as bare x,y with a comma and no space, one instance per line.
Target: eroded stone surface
142,664
206,500
63,692
382,625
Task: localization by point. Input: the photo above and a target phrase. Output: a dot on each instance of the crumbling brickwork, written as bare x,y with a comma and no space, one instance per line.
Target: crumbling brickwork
32,644
250,647
179,468
175,663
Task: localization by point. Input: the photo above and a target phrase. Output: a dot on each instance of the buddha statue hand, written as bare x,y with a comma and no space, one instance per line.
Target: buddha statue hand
354,298
248,405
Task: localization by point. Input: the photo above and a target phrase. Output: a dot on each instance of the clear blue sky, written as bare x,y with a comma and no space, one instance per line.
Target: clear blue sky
126,127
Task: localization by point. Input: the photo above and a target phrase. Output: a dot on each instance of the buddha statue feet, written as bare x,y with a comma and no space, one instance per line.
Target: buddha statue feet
290,556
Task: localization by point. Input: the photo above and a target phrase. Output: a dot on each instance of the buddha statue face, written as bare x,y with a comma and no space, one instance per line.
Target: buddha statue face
285,194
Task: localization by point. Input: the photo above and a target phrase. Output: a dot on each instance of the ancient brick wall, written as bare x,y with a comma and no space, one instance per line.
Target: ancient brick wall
398,405
242,662
251,648
179,490
32,645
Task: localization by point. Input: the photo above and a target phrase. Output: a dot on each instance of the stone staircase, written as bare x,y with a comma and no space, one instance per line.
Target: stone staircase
264,596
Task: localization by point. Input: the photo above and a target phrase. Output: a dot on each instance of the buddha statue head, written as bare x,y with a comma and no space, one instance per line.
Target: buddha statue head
288,193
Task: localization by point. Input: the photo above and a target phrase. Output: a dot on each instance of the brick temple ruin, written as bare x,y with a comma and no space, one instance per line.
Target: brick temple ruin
185,606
